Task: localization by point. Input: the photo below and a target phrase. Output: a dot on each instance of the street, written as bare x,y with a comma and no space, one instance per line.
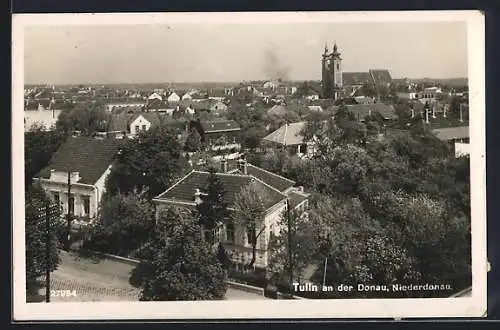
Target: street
90,279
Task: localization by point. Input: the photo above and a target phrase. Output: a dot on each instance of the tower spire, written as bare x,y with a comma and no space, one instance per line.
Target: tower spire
335,46
326,47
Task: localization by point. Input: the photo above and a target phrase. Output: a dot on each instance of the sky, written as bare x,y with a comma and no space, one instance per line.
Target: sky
74,54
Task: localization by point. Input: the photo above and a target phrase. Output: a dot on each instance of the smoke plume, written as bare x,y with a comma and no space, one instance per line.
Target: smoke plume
274,68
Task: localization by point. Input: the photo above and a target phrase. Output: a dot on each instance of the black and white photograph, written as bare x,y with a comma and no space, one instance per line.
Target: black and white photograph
249,165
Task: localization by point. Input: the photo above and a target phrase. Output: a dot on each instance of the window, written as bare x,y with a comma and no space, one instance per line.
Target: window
71,204
143,127
338,66
230,232
250,236
56,197
86,205
137,128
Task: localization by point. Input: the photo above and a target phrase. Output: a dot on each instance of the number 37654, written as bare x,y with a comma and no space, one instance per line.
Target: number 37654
63,293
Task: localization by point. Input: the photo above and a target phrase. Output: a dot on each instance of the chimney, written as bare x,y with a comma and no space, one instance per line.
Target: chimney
242,166
197,196
223,165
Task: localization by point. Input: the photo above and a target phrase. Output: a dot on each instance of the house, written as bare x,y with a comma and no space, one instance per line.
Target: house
361,111
155,96
217,94
406,95
290,138
187,97
86,163
114,106
317,108
173,98
235,237
41,118
216,106
218,135
457,137
198,97
429,94
132,124
277,110
364,100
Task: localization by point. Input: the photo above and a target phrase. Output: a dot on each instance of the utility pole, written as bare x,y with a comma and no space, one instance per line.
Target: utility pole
68,215
324,272
290,253
47,250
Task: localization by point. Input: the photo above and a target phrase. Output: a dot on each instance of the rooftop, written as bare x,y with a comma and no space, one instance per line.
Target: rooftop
451,133
288,134
183,190
88,156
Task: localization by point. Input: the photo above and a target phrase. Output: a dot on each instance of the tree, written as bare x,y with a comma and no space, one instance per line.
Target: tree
212,211
125,222
184,266
88,118
303,244
36,235
151,163
193,141
39,146
251,137
249,212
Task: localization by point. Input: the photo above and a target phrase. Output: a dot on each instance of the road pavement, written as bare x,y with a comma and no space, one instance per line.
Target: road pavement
82,279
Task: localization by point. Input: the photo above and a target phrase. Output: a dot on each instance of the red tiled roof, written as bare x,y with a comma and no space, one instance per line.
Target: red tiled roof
88,156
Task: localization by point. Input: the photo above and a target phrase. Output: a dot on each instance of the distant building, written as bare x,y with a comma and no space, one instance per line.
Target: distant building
45,119
361,111
173,98
334,81
289,137
132,124
218,135
331,76
457,138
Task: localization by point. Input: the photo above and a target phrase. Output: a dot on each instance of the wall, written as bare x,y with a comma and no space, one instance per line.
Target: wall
242,250
77,190
46,118
462,149
139,121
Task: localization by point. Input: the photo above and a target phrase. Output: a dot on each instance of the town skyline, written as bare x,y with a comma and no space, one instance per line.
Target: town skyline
142,54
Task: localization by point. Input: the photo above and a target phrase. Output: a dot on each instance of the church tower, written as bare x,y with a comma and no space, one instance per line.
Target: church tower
331,78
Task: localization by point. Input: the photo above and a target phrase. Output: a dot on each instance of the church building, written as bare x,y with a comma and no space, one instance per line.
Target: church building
335,82
331,78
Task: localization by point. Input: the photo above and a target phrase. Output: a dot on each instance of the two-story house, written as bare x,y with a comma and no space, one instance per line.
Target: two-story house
236,237
81,164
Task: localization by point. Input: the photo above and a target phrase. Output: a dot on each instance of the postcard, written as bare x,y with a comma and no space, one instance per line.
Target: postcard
183,166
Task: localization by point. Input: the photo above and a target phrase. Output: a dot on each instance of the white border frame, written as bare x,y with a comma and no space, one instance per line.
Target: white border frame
473,306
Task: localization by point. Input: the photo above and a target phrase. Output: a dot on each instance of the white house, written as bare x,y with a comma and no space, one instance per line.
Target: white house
236,237
133,124
173,97
187,97
43,118
87,162
155,96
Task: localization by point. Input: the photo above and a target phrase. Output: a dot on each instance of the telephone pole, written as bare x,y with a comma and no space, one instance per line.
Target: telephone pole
47,250
290,253
68,215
